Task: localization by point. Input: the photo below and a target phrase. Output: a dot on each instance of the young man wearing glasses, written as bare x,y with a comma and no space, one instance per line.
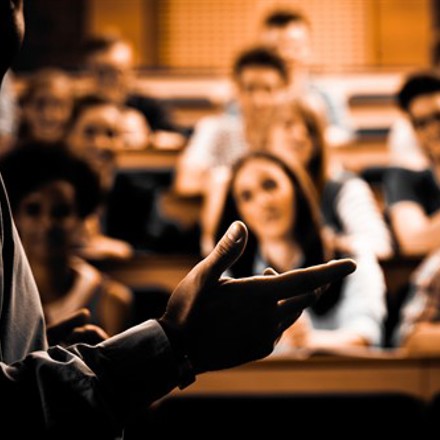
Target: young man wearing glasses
413,197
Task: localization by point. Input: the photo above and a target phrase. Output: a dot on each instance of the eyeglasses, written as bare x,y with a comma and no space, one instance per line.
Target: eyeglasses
423,122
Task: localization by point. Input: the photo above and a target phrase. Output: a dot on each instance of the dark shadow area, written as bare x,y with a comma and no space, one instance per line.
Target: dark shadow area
334,416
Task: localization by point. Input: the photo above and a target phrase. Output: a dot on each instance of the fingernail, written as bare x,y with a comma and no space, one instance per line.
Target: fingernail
235,233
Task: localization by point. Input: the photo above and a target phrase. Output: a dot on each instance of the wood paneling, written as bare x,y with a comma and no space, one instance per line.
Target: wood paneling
123,17
405,31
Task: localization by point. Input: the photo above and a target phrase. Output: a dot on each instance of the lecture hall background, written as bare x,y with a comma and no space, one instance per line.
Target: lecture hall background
184,49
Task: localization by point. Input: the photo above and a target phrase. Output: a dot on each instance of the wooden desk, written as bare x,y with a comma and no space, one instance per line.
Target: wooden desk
363,153
419,377
149,158
150,269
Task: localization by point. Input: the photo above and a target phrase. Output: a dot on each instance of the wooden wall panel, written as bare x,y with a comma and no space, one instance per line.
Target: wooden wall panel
405,28
205,35
127,18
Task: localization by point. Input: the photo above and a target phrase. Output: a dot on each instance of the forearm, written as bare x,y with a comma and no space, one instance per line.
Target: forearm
190,180
102,385
334,339
419,239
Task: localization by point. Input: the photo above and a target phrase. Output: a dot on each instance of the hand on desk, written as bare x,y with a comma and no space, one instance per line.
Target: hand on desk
75,329
225,322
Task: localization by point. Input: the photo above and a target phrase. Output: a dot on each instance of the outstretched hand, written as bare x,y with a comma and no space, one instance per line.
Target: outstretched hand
223,322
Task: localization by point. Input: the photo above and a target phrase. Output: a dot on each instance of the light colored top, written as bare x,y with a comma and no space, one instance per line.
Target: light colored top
421,302
361,308
217,141
361,217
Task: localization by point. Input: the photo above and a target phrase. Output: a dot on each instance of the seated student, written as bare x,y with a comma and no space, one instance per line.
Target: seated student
403,142
418,323
51,192
413,196
289,32
351,212
110,61
95,134
279,205
260,77
46,106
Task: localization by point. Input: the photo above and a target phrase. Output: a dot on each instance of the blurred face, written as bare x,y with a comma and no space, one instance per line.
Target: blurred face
112,72
96,136
425,115
47,221
48,112
289,138
265,198
260,91
292,42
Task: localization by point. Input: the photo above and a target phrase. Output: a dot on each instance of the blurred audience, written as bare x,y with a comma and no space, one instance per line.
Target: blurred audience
278,203
351,212
413,200
51,193
260,77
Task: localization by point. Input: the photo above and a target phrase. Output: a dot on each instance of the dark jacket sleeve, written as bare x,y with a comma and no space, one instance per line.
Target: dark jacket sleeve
87,390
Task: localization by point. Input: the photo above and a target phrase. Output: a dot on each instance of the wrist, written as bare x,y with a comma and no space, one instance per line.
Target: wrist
185,369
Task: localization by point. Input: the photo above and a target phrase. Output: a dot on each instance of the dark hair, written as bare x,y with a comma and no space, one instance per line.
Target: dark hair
418,84
283,17
28,167
317,167
260,56
87,102
99,43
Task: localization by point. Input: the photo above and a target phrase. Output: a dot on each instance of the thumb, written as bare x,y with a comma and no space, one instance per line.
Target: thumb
228,250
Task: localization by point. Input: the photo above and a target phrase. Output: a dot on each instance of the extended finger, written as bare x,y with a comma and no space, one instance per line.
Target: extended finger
226,252
297,282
